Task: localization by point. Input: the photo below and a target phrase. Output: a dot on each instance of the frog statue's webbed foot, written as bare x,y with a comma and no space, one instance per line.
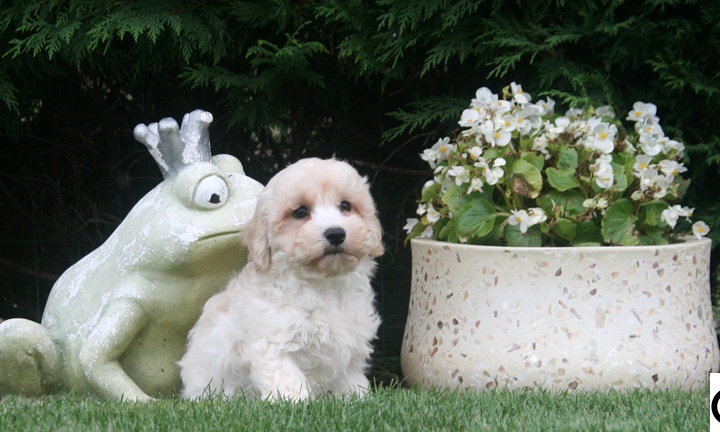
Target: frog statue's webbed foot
29,359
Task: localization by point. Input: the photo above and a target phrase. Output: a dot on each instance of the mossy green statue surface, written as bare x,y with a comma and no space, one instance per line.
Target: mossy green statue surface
116,322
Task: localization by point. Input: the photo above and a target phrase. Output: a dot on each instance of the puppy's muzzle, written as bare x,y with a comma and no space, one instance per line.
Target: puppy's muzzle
335,236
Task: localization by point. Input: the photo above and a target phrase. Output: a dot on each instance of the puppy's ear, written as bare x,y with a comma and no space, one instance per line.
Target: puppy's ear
376,231
256,237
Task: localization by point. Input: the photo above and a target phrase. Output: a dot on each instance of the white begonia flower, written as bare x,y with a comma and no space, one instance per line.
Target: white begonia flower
483,97
547,108
603,137
476,184
526,119
590,203
494,174
605,111
506,123
475,152
647,179
527,218
460,173
574,113
430,156
653,183
518,95
422,209
519,217
649,128
642,163
428,233
469,118
432,214
411,222
442,149
670,146
643,112
637,195
600,203
671,214
650,144
540,144
437,152
700,229
561,124
604,176
494,137
536,215
671,168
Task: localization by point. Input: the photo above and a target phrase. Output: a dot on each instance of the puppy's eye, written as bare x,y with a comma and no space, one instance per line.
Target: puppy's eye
345,206
300,212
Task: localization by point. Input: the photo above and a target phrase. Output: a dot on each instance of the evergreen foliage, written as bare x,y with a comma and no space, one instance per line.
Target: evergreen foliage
372,81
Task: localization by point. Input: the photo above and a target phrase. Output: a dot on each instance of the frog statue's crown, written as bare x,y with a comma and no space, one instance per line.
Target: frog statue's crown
174,148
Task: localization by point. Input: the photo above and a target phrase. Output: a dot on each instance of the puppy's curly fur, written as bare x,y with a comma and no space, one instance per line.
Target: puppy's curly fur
299,320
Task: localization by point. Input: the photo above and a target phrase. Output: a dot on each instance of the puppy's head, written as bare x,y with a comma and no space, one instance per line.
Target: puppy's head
316,216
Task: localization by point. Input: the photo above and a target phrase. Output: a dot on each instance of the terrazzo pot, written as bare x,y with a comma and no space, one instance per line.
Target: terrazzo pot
594,318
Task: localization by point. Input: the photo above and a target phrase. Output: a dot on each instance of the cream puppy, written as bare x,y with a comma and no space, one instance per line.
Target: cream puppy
299,320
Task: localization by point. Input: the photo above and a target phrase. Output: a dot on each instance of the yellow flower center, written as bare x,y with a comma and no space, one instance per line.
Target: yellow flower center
638,113
443,149
497,135
603,135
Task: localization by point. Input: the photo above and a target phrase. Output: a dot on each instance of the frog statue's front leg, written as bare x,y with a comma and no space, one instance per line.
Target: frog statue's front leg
29,359
99,355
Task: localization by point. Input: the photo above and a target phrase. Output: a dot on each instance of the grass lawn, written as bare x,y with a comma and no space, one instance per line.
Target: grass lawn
386,409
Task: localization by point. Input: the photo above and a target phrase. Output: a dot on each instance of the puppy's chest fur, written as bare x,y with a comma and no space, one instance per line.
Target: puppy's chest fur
324,322
321,324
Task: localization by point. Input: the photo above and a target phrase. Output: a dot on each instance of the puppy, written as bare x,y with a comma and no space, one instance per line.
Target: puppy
298,321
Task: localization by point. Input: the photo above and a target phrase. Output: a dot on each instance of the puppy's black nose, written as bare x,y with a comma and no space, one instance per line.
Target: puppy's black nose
335,236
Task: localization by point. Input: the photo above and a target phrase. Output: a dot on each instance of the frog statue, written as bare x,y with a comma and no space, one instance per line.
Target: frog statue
116,322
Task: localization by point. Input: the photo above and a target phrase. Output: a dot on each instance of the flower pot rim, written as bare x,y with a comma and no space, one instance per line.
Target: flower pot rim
685,241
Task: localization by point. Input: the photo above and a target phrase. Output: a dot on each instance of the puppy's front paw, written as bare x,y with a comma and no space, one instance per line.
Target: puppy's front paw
294,391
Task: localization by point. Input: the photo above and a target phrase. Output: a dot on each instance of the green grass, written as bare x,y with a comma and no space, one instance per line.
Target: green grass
386,409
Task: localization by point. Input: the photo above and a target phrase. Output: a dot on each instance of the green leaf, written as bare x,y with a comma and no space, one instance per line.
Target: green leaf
535,159
526,179
447,231
532,238
618,224
621,181
650,213
562,180
587,234
431,193
653,236
568,159
476,218
567,203
455,198
565,228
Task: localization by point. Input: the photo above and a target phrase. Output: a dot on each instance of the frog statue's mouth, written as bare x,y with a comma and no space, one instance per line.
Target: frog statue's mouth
218,235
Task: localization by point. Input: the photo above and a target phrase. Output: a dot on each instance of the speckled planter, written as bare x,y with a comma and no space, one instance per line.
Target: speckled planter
595,318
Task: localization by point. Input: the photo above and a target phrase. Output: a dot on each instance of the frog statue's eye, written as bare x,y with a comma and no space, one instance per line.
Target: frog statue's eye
211,192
